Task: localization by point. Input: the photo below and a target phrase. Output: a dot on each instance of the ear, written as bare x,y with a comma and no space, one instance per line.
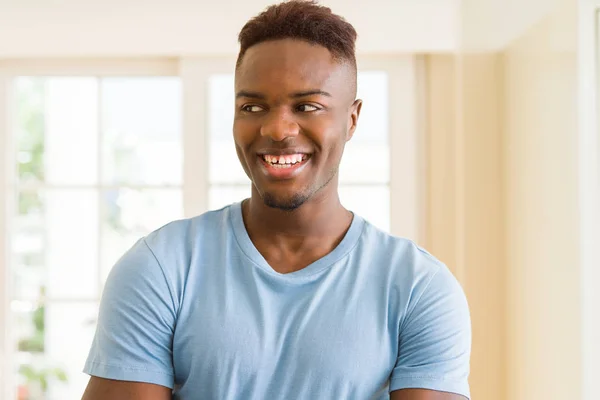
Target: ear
353,118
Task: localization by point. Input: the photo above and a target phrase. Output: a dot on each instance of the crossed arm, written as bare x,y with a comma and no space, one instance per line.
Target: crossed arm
100,388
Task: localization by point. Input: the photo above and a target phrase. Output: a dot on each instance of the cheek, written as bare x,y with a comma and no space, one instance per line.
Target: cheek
242,148
245,131
240,154
244,136
242,139
333,142
244,163
336,156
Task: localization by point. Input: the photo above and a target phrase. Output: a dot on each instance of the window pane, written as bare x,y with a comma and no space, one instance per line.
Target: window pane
29,128
28,263
221,106
365,163
28,342
373,123
28,321
69,334
56,129
130,214
52,343
221,196
366,158
224,166
141,124
370,202
72,237
55,244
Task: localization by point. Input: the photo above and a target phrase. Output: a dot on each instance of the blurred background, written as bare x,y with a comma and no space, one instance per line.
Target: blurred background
478,139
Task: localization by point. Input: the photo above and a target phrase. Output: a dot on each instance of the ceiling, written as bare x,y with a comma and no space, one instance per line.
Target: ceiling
98,28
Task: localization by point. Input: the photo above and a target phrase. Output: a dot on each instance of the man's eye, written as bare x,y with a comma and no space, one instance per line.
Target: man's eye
251,108
307,108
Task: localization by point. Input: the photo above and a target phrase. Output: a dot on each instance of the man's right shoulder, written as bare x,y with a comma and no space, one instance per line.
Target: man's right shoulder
170,251
185,236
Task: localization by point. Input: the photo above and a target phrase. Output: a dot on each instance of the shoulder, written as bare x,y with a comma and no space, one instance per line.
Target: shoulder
413,273
169,250
186,232
401,256
176,241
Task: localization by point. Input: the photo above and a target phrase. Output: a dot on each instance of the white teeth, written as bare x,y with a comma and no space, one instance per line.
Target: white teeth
284,161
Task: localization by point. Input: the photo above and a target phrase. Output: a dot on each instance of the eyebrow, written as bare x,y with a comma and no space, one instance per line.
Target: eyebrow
310,93
251,95
296,95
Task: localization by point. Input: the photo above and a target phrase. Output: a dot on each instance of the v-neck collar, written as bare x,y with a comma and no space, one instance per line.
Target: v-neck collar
340,251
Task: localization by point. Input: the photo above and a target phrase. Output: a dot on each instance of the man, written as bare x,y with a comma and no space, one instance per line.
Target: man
286,295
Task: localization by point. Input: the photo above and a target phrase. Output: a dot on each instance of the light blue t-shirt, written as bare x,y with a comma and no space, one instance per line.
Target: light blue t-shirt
195,307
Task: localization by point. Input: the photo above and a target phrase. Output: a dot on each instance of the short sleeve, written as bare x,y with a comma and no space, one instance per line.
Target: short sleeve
136,321
435,339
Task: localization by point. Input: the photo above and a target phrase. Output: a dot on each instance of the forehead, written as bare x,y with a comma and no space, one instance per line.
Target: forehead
291,65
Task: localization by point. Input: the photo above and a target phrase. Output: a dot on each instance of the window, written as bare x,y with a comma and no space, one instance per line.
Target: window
99,164
365,168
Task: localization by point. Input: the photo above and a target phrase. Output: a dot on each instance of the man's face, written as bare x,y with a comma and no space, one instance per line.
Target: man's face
294,112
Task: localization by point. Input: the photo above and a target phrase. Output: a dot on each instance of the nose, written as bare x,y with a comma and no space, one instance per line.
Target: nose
279,125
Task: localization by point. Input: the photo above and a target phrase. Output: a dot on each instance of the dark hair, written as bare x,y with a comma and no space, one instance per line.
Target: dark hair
302,20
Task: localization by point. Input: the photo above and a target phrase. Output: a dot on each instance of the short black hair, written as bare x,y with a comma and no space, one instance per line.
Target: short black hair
302,20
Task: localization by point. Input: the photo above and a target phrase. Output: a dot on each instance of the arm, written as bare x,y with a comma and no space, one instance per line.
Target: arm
434,343
131,354
422,394
100,389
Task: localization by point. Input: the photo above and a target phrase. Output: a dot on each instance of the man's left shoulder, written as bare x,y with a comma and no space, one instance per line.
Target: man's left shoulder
405,268
400,255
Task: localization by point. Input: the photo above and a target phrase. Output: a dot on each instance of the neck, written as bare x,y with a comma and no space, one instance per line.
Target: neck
320,217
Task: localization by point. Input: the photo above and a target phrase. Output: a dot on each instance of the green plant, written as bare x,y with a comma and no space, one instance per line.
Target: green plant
30,117
42,376
35,343
38,378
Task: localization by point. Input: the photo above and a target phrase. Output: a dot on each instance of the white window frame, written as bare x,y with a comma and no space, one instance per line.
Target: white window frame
589,190
6,170
406,97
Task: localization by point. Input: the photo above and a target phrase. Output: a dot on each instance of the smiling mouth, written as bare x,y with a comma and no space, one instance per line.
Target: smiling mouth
285,161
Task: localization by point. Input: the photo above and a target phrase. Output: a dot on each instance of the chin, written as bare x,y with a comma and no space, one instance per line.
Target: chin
285,203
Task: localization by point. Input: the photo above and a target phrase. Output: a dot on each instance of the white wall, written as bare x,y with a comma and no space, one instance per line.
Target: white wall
542,240
489,25
93,28
503,206
96,28
589,192
465,210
